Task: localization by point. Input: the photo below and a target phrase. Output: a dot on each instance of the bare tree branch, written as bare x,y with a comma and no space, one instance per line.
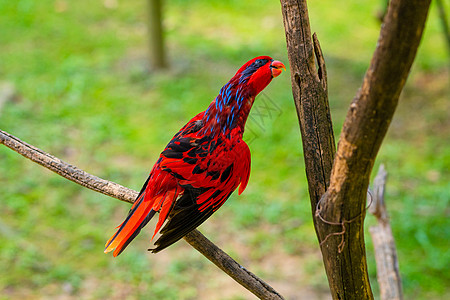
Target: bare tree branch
388,273
244,277
339,212
309,88
369,116
197,240
66,170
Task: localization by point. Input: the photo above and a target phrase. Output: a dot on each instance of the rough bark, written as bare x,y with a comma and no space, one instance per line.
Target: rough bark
197,240
339,212
309,87
388,273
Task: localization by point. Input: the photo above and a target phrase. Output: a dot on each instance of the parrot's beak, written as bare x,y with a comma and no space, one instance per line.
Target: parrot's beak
277,67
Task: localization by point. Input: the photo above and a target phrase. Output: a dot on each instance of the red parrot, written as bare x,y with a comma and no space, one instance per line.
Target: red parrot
202,165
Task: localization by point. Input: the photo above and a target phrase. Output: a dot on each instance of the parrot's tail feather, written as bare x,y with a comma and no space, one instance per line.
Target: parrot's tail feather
139,215
165,208
133,234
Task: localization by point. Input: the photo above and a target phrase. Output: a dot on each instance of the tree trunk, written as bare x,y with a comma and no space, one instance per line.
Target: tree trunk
339,212
156,42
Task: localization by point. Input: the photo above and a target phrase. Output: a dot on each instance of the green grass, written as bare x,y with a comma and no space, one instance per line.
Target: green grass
86,96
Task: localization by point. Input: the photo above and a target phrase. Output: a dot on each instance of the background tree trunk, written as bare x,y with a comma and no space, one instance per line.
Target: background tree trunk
157,54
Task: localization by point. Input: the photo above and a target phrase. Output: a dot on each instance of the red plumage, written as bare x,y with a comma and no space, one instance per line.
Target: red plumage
202,164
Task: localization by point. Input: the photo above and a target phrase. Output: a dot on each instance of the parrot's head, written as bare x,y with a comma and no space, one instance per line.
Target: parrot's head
231,107
257,73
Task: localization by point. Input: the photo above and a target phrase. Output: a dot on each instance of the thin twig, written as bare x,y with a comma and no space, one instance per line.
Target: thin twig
388,273
197,240
378,209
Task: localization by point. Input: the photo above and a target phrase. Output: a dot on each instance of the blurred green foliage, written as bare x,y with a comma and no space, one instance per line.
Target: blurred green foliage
87,95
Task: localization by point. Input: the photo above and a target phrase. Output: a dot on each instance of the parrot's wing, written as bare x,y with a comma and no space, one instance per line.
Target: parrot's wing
208,171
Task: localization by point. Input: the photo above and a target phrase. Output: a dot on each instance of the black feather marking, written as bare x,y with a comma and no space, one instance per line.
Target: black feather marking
204,139
226,174
177,147
202,154
214,174
174,174
190,160
170,153
197,170
185,216
192,152
215,194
